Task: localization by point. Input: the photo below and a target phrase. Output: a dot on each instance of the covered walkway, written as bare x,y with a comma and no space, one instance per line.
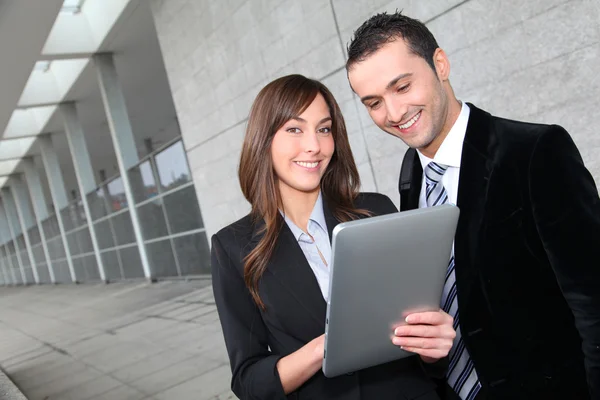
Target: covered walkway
127,340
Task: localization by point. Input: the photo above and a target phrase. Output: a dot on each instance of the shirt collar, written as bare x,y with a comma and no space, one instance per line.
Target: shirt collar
450,152
317,216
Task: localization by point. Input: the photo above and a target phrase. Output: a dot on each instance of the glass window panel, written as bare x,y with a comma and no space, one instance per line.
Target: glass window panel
56,248
85,240
25,259
65,213
50,226
16,269
183,211
132,264
172,167
73,243
142,182
193,254
11,247
104,234
123,228
61,272
162,262
43,273
111,265
21,242
34,235
77,213
97,204
90,268
38,253
29,274
152,220
117,198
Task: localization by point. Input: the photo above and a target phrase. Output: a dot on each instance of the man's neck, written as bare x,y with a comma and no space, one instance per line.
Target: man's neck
454,109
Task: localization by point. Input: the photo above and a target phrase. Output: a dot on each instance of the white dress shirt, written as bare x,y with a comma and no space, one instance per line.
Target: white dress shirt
317,228
450,154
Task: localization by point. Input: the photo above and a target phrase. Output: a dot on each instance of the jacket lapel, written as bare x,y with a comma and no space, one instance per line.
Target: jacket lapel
409,200
475,170
290,268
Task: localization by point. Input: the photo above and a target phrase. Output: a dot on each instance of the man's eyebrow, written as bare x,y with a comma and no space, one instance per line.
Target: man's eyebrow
391,84
396,79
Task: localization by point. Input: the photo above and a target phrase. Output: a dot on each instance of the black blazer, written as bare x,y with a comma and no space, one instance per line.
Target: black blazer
527,254
295,314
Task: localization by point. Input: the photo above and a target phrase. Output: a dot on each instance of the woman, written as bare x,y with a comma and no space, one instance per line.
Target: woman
270,276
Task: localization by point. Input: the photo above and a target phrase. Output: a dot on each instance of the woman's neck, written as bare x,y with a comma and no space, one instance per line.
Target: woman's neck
297,206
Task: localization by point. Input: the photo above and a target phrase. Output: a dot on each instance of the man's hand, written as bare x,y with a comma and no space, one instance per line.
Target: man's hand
429,334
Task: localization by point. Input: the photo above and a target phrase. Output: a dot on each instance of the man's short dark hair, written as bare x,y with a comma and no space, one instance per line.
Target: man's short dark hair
385,28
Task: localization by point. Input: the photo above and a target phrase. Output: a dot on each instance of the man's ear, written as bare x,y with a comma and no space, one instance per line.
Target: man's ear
442,64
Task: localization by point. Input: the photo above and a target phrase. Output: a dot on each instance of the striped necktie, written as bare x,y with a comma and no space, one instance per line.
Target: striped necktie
461,375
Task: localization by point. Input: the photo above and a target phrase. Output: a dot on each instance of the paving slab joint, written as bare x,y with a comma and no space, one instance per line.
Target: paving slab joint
8,389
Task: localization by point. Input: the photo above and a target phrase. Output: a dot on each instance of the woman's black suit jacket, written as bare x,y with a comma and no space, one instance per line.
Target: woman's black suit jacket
294,315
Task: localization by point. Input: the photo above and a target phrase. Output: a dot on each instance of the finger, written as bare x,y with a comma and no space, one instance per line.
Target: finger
418,330
423,343
431,353
429,318
428,331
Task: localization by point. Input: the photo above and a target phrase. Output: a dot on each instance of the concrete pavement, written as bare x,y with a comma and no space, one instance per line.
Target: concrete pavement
125,340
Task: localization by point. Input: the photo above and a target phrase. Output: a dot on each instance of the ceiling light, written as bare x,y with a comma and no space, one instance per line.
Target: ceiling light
72,6
42,66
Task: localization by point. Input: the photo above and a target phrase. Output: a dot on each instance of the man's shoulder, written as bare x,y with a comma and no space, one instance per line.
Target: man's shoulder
376,203
508,133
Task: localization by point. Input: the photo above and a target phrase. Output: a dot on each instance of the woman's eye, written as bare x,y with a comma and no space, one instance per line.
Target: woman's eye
293,130
325,130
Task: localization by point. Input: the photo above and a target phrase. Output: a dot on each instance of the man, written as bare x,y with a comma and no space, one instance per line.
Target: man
523,284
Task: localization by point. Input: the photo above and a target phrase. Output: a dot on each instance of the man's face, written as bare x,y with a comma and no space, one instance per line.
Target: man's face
402,93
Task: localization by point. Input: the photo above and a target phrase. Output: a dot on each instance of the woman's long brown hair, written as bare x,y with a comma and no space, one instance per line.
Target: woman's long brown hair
277,103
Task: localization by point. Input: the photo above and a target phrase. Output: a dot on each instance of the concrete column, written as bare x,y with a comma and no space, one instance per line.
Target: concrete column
40,209
13,226
22,205
83,171
123,142
3,263
57,192
5,238
9,264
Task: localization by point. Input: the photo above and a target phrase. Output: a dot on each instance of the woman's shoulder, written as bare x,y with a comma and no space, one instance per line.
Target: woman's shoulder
377,203
238,232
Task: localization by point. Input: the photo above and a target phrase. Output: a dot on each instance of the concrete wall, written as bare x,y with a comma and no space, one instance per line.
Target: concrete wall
535,60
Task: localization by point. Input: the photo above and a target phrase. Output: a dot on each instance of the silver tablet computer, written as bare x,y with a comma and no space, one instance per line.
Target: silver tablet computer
383,268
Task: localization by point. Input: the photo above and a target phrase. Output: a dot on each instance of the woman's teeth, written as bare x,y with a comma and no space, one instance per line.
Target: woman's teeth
307,164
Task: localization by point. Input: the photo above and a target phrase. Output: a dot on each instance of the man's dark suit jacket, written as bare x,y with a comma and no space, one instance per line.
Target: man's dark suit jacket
527,251
295,314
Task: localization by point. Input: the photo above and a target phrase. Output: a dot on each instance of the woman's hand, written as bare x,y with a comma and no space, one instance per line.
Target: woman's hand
429,334
301,365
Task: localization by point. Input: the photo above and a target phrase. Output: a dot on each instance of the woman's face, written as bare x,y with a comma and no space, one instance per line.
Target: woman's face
302,149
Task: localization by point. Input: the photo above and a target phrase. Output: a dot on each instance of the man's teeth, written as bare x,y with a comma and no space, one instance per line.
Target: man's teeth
307,164
411,122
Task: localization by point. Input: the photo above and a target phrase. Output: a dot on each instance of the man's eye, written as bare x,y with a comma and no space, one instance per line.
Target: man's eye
374,105
403,88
